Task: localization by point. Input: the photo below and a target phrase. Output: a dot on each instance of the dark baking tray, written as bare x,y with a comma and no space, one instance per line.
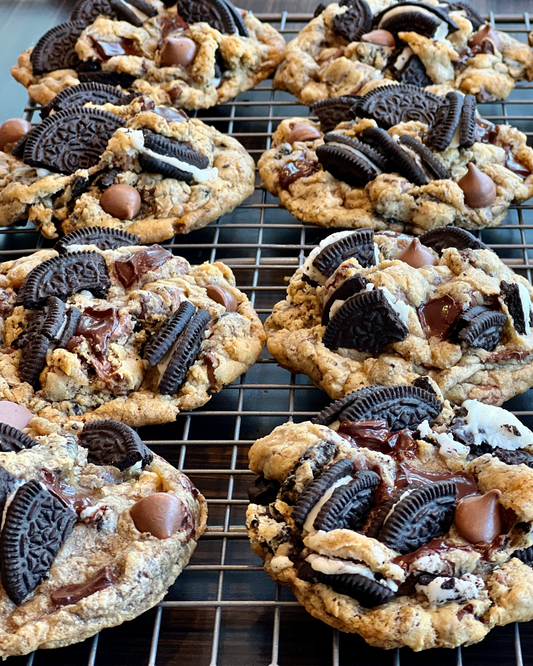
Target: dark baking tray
224,610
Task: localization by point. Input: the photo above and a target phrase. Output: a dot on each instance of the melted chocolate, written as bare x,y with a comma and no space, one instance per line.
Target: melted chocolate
487,132
434,546
71,594
438,316
130,270
170,25
466,484
295,170
77,501
375,435
107,50
97,326
485,47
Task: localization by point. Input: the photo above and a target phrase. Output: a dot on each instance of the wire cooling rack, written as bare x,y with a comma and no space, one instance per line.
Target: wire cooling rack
224,610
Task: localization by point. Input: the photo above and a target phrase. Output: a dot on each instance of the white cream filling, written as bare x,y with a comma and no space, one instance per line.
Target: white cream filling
402,496
526,304
9,499
215,81
333,567
280,562
308,268
403,58
311,516
464,589
440,33
336,305
455,143
400,307
495,426
354,151
200,175
138,13
416,157
448,445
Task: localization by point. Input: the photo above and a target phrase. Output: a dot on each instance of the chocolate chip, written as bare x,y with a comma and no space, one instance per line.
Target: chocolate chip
160,514
132,269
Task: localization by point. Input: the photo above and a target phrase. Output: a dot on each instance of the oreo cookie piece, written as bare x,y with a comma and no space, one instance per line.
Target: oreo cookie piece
88,11
421,515
472,15
33,358
314,460
377,521
423,24
394,104
171,148
65,275
401,406
439,12
72,317
429,161
71,139
366,322
511,296
349,505
108,78
214,12
446,121
332,412
413,73
405,164
359,244
359,148
84,93
441,238
480,327
345,290
239,21
366,591
525,555
331,112
263,491
318,487
516,457
105,238
355,22
162,340
12,439
467,128
57,48
125,10
114,443
8,483
36,526
185,353
345,165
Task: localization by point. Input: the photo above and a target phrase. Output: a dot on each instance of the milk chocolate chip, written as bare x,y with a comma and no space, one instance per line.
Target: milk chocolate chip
178,51
303,132
122,201
484,33
417,255
13,130
380,37
478,519
479,189
161,514
222,296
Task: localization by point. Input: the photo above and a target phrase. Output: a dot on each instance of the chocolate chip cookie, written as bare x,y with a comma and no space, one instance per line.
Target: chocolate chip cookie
393,516
132,333
353,47
190,55
95,529
141,168
407,161
380,308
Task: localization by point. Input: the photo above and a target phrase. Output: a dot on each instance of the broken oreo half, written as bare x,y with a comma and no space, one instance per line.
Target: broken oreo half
179,153
84,93
359,244
394,104
344,291
513,300
105,238
13,439
355,22
350,504
429,161
331,112
446,121
57,48
441,238
480,327
114,443
367,592
161,341
214,12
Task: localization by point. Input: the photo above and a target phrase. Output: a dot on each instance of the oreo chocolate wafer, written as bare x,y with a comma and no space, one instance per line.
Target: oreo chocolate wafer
446,121
105,238
84,93
165,336
57,48
179,153
214,12
113,443
355,22
440,238
333,111
404,163
359,244
391,105
13,439
429,161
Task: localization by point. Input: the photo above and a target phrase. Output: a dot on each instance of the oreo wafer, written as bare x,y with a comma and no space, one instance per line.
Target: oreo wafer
113,443
57,48
214,12
358,147
344,164
359,244
355,22
84,93
345,290
332,412
405,164
125,10
88,11
72,317
162,340
472,15
394,104
413,73
439,12
13,439
105,238
513,300
367,592
441,238
171,148
333,111
467,130
349,505
446,121
480,327
429,161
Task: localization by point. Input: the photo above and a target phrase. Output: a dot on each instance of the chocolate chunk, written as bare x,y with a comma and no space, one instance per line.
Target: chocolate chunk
71,139
404,163
441,238
467,129
366,591
12,131
472,15
355,22
121,201
292,171
359,244
125,11
346,166
345,290
331,412
333,111
349,505
511,296
525,555
478,519
214,12
72,318
12,439
162,515
263,491
400,406
366,322
132,269
377,159
425,384
223,297
413,73
65,275
114,443
178,51
432,164
71,594
185,353
36,526
162,340
422,515
84,93
480,327
446,120
57,48
316,489
171,148
414,21
105,238
313,460
97,326
33,358
439,315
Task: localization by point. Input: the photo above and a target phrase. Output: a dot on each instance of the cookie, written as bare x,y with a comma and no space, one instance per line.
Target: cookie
13,439
407,315
331,112
57,48
440,239
437,46
113,443
429,543
85,93
88,365
391,105
103,238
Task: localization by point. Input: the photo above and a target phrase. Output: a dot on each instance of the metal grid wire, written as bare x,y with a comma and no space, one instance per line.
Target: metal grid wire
224,610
